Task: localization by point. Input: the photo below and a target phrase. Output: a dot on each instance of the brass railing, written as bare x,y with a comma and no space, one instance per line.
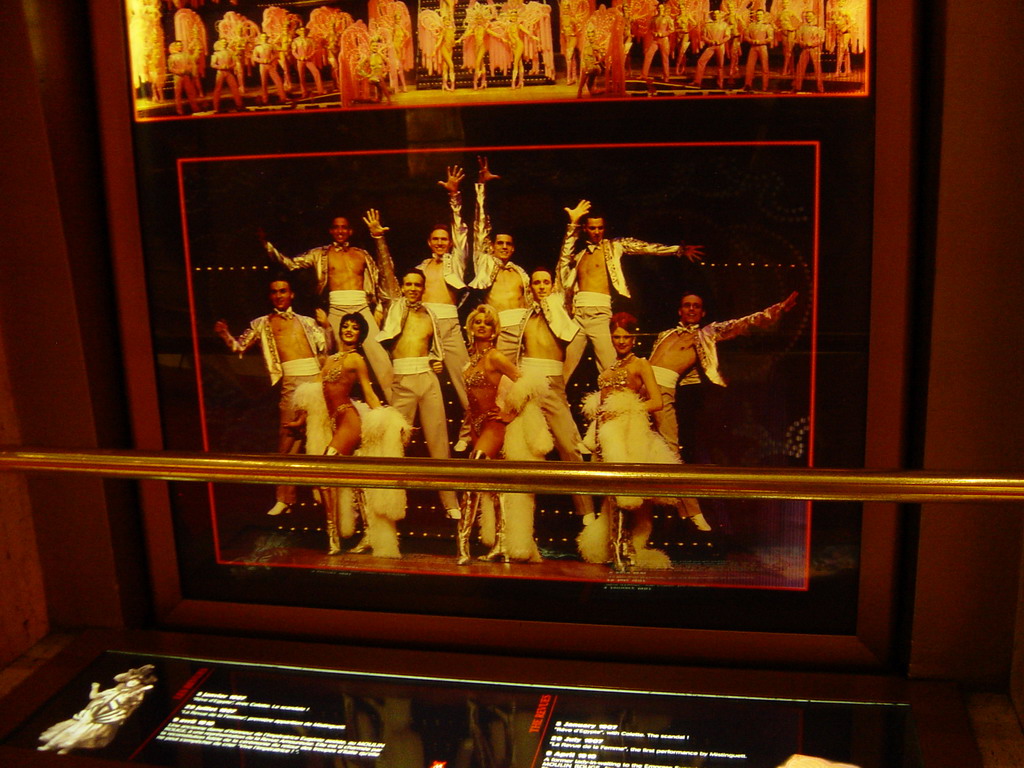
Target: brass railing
533,477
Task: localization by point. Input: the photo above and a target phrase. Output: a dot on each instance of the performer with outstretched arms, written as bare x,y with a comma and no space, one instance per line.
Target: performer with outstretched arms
507,284
588,276
688,354
293,349
445,272
351,281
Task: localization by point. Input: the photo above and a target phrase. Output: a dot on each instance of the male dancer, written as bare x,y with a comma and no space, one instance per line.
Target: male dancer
294,347
411,333
688,354
715,34
760,34
507,284
546,332
445,271
810,37
353,283
590,274
265,55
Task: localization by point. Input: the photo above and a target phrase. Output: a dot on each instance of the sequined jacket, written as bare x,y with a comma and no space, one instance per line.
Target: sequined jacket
613,249
259,331
708,337
485,264
379,282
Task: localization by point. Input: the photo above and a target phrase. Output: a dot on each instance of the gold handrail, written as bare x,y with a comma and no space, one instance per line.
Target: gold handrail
532,477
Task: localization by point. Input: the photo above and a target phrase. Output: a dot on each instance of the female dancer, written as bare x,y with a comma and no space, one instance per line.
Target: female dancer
487,423
623,432
336,427
493,434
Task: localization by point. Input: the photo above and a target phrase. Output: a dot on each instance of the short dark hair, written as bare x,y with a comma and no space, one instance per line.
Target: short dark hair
549,270
280,277
358,319
415,271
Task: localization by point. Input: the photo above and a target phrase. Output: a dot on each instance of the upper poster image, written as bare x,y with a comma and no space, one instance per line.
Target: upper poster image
195,58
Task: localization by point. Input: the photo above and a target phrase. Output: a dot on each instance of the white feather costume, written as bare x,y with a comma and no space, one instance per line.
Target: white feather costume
527,438
620,432
384,432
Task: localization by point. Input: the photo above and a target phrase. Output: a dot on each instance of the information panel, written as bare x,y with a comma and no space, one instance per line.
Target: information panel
158,710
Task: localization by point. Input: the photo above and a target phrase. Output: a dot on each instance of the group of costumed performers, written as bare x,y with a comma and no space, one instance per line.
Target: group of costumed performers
508,366
367,60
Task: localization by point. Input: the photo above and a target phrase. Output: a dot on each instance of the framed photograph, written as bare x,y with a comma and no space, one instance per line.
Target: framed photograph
198,59
736,231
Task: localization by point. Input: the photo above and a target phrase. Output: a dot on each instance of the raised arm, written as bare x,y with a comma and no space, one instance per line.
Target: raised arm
633,246
387,282
483,248
565,269
460,233
302,261
242,343
766,318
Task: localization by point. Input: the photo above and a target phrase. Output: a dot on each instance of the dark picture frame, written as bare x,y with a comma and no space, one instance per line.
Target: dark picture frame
855,180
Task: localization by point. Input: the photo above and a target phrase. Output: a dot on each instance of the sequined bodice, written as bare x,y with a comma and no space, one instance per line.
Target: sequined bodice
478,380
616,376
335,369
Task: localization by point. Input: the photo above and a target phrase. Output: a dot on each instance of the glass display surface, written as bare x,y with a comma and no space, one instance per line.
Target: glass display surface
299,160
172,711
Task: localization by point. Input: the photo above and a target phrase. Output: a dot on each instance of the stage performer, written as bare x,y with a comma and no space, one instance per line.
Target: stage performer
546,332
265,55
760,34
351,281
514,32
687,355
375,69
293,349
479,17
572,17
507,284
621,432
715,34
223,61
304,50
179,64
658,39
445,271
786,22
589,275
338,425
411,334
809,37
508,530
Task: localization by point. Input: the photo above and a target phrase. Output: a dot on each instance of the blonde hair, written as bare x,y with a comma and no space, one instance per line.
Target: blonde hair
492,315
